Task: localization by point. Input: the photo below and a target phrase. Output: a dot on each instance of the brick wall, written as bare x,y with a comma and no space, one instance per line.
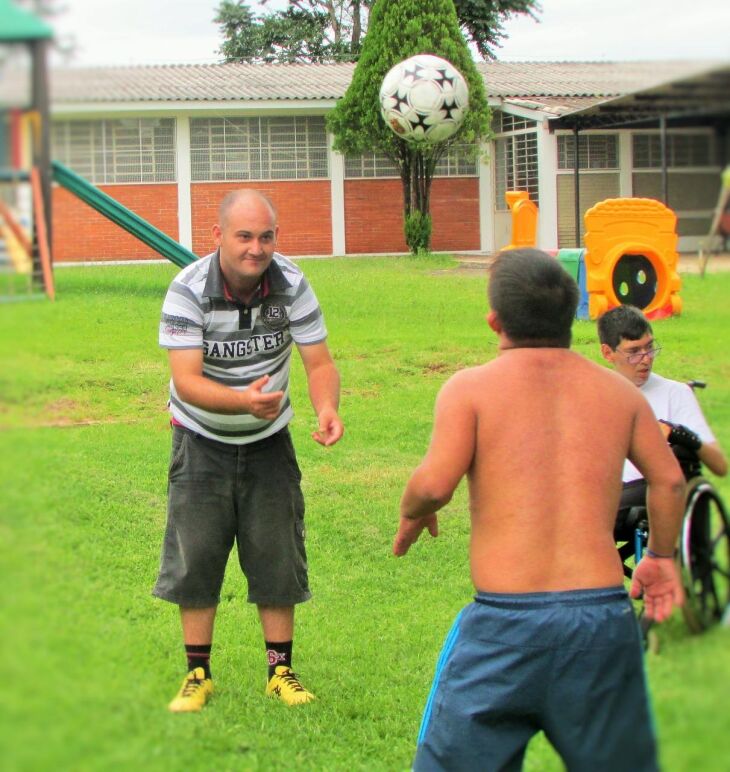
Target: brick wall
373,218
374,215
81,233
304,206
455,213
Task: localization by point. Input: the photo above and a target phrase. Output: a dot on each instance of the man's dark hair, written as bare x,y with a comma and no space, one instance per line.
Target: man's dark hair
534,297
622,323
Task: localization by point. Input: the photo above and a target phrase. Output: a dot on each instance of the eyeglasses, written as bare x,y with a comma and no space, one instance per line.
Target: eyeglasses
635,357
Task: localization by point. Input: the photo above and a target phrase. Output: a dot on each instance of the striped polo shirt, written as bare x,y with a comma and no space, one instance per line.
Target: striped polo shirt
240,343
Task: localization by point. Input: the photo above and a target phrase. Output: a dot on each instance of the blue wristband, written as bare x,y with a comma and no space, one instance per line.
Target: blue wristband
651,554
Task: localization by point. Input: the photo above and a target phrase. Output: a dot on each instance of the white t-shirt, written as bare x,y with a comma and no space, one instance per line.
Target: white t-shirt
675,402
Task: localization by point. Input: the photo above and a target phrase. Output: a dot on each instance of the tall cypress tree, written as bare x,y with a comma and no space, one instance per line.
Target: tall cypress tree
399,29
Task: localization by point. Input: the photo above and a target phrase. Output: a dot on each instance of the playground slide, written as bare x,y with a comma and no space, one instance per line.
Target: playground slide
122,216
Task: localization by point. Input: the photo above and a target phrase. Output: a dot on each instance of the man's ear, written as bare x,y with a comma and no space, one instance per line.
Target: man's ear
217,234
494,322
607,352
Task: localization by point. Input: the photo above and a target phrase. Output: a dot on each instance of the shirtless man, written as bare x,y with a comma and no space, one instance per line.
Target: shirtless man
550,642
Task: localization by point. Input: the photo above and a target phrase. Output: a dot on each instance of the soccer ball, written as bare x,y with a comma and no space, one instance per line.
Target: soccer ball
424,99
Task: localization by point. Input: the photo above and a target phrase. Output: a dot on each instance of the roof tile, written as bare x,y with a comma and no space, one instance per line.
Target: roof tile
238,82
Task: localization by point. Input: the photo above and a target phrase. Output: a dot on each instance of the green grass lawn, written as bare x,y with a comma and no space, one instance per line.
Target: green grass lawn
91,659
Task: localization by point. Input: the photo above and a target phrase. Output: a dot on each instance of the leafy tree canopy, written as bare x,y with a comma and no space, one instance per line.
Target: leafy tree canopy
304,31
400,29
481,20
332,30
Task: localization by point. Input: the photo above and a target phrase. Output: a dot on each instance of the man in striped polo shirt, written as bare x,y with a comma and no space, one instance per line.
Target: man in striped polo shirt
228,322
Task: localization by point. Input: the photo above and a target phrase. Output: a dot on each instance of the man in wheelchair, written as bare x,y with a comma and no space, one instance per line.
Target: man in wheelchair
628,343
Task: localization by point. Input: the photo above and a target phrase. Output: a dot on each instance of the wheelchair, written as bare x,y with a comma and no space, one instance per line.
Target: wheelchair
703,552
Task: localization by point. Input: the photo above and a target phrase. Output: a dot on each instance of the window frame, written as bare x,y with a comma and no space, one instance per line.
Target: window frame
532,173
585,150
672,136
267,148
97,149
452,165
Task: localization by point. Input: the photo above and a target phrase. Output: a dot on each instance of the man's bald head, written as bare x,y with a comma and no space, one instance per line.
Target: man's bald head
244,196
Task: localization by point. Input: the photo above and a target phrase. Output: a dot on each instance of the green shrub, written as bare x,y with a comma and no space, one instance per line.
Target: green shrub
418,232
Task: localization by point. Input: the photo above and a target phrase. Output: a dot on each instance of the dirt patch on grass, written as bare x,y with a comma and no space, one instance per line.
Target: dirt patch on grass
66,422
66,413
372,392
436,367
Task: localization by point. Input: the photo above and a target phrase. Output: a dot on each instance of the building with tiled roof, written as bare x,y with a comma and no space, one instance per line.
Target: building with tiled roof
236,82
202,83
170,141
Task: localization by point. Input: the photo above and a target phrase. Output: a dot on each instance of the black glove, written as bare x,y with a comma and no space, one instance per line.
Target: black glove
684,437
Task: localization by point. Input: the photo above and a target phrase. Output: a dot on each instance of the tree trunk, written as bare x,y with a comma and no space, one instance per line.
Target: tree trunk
334,21
356,27
416,175
406,167
420,178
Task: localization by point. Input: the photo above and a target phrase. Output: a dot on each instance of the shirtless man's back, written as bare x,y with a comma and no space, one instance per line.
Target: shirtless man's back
542,434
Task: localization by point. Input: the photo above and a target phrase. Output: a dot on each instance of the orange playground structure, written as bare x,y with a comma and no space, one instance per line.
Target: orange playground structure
524,219
630,255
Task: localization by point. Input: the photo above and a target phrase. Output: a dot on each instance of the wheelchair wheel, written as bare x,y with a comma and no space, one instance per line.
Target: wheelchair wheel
704,555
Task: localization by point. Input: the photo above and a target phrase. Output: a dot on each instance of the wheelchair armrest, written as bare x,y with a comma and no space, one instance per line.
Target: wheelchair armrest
628,519
639,517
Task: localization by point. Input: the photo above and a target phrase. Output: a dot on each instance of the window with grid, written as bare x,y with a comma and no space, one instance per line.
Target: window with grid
459,161
506,122
683,150
281,148
515,167
595,151
116,151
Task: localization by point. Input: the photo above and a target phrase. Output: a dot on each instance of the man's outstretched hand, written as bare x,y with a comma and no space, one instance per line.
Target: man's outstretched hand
409,530
330,428
657,581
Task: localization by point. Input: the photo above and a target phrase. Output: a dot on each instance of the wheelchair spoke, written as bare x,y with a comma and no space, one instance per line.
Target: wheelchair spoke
718,539
705,557
722,571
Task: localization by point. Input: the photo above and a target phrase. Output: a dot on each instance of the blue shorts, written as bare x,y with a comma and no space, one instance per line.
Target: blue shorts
567,663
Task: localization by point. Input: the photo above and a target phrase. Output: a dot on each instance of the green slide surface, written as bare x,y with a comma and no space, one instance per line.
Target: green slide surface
122,216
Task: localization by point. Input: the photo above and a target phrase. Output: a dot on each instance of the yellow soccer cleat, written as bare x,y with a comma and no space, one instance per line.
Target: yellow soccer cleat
194,692
285,686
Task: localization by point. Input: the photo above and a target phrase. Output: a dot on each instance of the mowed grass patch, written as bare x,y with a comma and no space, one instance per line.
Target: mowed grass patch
92,659
89,357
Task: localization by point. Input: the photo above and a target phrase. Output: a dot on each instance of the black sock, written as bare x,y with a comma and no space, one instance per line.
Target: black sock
278,654
198,656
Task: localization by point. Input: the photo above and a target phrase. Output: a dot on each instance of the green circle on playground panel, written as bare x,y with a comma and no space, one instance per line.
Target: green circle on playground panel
634,280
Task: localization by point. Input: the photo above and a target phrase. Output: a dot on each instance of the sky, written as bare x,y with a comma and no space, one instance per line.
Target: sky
133,32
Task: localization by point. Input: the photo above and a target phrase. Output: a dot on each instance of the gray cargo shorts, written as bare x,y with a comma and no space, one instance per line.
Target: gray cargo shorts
219,494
